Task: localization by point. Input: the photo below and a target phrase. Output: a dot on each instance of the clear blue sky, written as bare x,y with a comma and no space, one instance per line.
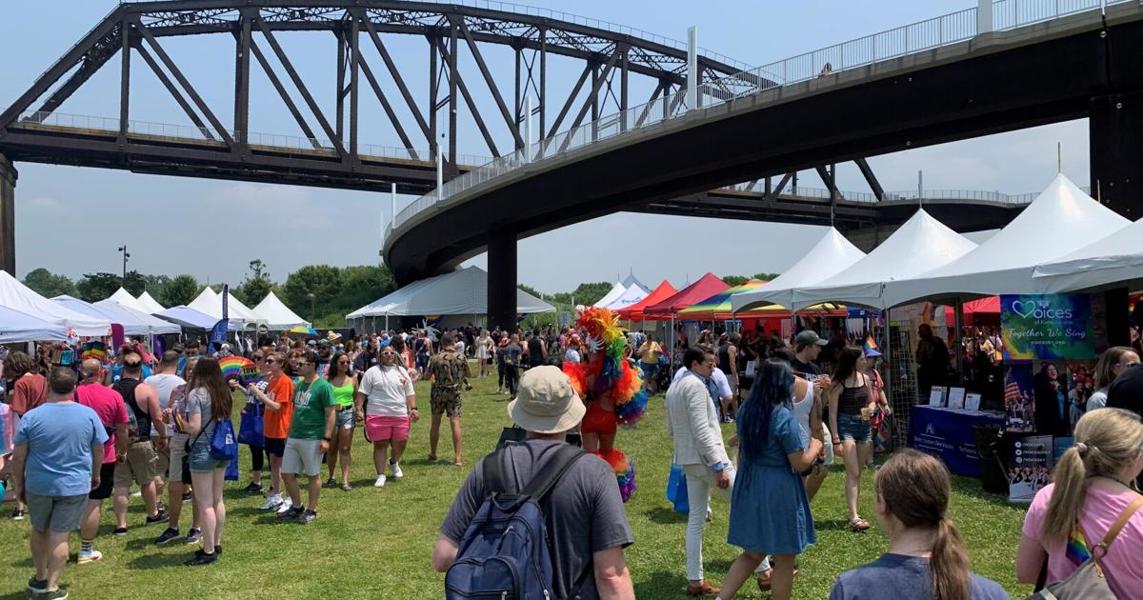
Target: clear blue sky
71,220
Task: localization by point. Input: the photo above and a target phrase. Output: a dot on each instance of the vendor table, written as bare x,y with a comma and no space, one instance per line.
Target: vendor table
946,433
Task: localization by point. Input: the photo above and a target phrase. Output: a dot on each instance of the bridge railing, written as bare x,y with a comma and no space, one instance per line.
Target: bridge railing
925,35
813,193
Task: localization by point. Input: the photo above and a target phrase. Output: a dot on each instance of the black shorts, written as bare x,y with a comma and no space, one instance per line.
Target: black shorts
276,447
106,482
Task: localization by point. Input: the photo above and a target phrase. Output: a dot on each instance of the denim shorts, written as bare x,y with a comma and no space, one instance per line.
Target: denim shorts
346,418
200,460
853,427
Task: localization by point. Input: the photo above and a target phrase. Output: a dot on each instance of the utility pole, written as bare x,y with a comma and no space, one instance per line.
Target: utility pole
126,255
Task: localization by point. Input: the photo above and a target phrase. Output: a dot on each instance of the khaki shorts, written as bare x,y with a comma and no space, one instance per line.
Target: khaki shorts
302,457
141,466
163,467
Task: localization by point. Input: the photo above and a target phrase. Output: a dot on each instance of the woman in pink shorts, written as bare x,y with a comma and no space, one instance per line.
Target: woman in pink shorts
387,404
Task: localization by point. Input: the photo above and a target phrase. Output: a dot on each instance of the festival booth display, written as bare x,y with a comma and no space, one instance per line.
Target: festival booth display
634,312
134,322
277,315
17,296
831,255
210,302
149,304
16,326
463,293
188,318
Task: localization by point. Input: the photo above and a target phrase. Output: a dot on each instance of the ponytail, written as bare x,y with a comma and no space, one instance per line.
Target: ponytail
949,564
1070,489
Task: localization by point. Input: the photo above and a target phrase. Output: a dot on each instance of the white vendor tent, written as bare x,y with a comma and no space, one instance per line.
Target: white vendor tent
1061,220
149,304
19,297
277,315
462,292
833,254
1113,259
16,326
612,295
920,245
124,298
134,322
633,294
210,302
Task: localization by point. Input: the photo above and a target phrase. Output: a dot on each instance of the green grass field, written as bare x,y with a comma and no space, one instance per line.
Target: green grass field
377,543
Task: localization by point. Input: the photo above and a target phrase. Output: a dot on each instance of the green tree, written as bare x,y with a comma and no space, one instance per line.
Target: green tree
99,286
766,276
256,285
361,285
155,284
590,293
49,285
180,291
527,289
313,289
734,280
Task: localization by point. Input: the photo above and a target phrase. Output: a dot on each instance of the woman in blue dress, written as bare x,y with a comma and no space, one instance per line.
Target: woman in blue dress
769,511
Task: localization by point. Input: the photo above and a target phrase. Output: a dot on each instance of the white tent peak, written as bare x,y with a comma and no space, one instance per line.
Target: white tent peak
149,304
612,295
631,280
277,315
124,298
832,254
21,298
210,302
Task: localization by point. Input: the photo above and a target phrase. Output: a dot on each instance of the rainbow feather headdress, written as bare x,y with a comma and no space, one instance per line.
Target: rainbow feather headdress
612,377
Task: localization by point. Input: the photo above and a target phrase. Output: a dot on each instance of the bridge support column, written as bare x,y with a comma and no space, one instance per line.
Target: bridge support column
7,216
502,280
1115,125
868,238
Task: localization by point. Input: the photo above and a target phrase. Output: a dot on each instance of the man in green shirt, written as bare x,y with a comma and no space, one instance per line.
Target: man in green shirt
310,433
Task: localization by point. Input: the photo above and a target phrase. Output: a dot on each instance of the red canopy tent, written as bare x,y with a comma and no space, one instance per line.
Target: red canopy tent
694,293
635,311
983,310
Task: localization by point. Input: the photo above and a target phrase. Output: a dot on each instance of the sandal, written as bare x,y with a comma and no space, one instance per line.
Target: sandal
345,487
858,525
432,458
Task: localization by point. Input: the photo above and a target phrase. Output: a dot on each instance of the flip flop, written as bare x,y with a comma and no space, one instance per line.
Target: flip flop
345,487
432,458
858,525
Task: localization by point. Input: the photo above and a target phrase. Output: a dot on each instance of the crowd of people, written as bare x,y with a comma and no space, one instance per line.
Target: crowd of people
80,434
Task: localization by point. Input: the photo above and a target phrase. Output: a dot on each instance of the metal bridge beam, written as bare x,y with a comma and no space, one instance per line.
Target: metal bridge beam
8,176
1115,126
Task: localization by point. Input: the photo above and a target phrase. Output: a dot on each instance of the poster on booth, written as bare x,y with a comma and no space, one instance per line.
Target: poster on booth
1046,327
1019,399
1030,463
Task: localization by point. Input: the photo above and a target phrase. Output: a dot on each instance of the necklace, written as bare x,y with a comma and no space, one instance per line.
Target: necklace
1115,479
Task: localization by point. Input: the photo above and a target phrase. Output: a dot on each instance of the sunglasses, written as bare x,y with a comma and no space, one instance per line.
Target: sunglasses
132,365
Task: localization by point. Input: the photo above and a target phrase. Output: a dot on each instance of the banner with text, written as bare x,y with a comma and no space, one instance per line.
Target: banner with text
1030,464
1047,327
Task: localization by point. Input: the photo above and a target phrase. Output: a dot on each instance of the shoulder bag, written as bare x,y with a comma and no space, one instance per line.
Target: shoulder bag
1088,581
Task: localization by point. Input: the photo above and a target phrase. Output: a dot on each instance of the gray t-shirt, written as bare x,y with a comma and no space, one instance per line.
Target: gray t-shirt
902,577
583,513
164,384
199,402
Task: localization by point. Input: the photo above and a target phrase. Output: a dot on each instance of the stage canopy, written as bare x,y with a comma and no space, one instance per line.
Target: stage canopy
707,286
277,315
209,302
920,245
16,326
149,304
124,298
19,297
1113,259
832,254
187,317
134,322
1061,220
462,292
634,311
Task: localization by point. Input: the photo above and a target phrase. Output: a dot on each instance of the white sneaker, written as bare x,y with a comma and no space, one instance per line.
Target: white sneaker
286,504
380,481
88,557
397,473
273,501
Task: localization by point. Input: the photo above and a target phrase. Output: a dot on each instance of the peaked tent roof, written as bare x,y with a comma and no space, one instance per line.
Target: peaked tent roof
631,280
1061,220
123,297
187,317
134,322
149,304
920,245
612,295
210,302
705,287
16,326
718,305
832,254
21,298
1115,258
634,312
462,292
276,314
634,293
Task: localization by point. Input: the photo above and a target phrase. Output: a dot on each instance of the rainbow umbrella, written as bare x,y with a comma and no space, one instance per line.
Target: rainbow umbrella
303,330
717,307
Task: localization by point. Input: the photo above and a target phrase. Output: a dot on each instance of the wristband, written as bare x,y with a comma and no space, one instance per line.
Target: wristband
327,439
718,467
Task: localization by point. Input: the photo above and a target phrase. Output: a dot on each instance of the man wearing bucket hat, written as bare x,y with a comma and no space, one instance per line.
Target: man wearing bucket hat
583,515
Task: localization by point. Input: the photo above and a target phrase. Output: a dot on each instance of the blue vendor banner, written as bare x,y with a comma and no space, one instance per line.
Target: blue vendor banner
1046,327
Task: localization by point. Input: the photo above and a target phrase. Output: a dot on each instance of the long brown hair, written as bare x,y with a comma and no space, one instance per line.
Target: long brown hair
208,375
1110,438
915,488
1105,368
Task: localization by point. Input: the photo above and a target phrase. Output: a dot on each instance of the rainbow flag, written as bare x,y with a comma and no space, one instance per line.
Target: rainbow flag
1077,550
96,350
871,347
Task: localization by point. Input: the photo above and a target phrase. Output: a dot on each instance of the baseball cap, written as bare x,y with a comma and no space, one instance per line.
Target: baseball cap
809,337
546,402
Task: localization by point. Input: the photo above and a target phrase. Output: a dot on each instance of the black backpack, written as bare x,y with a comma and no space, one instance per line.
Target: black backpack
138,422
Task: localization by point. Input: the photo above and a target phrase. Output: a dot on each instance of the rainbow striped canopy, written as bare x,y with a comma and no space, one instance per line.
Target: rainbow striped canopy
718,306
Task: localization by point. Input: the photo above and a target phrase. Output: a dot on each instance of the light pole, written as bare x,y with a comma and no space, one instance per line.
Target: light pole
126,255
312,297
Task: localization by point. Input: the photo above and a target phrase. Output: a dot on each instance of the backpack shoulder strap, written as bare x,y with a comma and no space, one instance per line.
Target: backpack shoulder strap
538,488
493,473
1124,517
